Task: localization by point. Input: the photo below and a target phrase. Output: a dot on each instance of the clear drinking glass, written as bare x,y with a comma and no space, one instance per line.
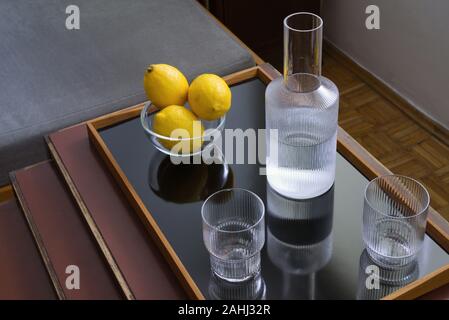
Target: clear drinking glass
303,107
234,233
394,219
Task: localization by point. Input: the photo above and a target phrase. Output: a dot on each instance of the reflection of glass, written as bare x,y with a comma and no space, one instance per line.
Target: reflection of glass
183,183
377,281
234,233
252,289
394,219
299,239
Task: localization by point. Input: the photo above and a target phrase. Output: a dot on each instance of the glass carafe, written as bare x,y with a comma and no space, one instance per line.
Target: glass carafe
303,107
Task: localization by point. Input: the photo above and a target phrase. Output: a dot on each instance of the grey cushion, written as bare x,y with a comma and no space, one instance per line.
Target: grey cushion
51,77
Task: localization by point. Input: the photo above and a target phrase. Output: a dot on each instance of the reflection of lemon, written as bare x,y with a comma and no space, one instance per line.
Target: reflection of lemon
184,183
165,85
209,97
181,183
179,123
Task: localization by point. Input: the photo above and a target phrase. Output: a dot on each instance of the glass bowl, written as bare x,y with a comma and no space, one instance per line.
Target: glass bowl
212,129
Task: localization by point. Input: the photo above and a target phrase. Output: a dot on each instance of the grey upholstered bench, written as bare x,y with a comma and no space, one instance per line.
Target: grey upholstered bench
51,77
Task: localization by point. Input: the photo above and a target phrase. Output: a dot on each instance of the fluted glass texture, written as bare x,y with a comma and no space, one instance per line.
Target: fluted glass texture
234,233
303,108
394,219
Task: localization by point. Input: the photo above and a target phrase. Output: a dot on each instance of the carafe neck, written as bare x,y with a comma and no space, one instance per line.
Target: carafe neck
303,37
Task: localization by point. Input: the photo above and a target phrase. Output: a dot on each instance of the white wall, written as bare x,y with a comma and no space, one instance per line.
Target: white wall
410,52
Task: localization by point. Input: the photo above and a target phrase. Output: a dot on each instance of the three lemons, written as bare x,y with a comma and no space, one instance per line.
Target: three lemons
166,87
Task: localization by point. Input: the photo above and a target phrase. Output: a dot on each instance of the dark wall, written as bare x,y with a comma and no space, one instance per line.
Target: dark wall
258,23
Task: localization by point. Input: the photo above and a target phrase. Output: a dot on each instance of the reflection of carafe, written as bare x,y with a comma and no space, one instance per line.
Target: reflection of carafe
184,183
299,239
377,281
253,289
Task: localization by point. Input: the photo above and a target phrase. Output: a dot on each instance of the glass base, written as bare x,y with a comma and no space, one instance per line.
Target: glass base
389,261
236,270
252,289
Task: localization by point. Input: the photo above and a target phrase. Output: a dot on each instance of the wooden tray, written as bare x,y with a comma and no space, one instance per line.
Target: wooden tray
437,227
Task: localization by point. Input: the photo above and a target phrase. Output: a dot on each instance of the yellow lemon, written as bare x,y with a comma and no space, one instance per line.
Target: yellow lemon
165,85
209,97
180,123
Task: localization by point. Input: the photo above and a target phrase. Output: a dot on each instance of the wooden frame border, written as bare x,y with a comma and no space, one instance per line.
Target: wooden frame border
57,286
420,287
437,226
110,260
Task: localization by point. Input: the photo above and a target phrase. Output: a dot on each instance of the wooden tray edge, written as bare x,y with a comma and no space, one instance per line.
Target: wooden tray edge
420,287
57,286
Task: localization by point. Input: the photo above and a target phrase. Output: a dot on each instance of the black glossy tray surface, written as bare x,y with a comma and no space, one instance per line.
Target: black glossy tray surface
318,255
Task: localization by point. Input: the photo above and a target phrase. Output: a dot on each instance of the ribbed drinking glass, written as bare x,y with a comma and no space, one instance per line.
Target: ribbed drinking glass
234,233
394,219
